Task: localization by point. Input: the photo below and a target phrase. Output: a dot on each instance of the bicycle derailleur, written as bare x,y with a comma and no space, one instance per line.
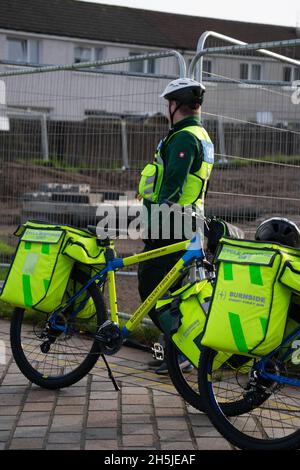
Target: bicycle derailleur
109,337
49,334
259,388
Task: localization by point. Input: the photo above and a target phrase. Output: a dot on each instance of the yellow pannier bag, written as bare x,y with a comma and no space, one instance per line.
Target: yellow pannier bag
182,317
84,249
84,303
40,271
249,309
290,275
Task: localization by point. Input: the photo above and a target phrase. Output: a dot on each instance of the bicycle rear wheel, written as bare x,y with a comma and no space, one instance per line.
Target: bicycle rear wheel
60,359
249,411
186,383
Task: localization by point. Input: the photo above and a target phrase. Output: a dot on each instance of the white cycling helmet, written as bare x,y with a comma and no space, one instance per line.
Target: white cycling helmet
185,90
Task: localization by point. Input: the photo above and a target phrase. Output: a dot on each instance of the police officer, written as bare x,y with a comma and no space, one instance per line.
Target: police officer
179,174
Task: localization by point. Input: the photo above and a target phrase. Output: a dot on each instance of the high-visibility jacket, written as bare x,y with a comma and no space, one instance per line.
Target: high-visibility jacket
196,182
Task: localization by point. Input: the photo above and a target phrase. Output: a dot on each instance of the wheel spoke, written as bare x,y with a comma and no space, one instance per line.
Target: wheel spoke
248,410
55,359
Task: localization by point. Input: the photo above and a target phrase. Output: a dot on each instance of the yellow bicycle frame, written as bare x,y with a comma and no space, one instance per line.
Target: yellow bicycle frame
178,269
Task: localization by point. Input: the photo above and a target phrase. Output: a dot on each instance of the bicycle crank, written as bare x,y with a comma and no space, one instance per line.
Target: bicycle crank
110,338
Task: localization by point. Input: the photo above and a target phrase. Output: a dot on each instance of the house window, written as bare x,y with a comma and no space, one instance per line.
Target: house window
142,66
82,54
255,72
23,50
137,66
244,71
291,74
87,54
206,68
287,74
98,53
34,51
250,71
297,73
151,65
17,50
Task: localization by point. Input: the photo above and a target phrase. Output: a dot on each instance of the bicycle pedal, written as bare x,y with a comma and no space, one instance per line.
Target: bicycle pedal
158,352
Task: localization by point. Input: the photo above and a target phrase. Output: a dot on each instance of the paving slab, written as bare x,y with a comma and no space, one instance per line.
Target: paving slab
147,413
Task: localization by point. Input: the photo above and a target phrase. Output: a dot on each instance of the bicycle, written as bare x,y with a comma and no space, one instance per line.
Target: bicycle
57,350
270,384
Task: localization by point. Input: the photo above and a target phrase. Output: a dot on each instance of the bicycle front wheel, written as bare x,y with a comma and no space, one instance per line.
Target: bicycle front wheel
59,359
249,411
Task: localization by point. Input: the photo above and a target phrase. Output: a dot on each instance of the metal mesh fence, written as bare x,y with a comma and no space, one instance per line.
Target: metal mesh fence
71,138
252,113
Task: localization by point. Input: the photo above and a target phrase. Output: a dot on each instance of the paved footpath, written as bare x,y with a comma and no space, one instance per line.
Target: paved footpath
147,413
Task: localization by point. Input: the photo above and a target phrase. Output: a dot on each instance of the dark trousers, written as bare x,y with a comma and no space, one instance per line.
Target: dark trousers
152,271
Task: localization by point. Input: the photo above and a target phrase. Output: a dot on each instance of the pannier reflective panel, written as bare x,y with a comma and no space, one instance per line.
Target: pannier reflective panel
40,271
249,309
182,316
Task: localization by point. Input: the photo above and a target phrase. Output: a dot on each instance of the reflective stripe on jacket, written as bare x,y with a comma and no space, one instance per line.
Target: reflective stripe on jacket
196,182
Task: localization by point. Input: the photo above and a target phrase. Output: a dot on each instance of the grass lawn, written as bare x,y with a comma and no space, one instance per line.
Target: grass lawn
146,334
239,162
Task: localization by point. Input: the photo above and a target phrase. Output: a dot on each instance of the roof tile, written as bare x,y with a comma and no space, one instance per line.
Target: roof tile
102,22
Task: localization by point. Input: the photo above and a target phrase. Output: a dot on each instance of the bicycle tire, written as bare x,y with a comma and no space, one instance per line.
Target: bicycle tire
188,387
183,383
65,380
227,425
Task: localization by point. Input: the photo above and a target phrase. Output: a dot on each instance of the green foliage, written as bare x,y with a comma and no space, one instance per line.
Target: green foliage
241,162
5,310
59,163
6,249
3,273
146,334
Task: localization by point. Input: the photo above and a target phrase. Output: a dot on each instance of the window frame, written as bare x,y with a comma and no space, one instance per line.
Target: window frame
244,64
147,64
260,72
285,68
95,50
250,66
296,70
293,73
208,73
27,53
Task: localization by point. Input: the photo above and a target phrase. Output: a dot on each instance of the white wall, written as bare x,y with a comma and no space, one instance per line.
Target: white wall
69,94
58,52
